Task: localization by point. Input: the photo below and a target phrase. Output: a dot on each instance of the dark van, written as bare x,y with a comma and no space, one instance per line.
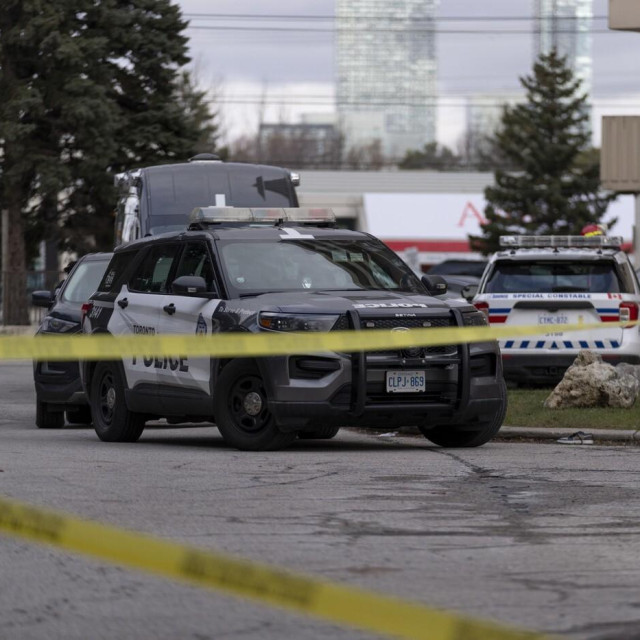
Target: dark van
158,199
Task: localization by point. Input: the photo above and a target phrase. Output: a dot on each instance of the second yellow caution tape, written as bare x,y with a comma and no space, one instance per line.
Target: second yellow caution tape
237,344
238,577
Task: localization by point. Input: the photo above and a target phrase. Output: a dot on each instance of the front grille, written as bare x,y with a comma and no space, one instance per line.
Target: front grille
412,323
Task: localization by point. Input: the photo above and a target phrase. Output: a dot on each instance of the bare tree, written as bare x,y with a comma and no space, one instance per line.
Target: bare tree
366,156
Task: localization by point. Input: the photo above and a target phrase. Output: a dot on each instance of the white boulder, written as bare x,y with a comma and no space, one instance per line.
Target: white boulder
590,382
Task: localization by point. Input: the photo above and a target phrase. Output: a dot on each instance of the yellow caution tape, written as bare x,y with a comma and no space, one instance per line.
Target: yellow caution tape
239,577
236,344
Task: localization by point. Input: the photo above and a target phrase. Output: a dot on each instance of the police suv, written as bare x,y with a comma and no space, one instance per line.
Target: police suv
278,271
553,281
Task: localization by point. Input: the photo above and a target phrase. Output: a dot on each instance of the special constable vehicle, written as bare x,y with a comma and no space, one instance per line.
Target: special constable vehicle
553,281
277,271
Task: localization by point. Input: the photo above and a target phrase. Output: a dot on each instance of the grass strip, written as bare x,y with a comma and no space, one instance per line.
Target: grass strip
526,410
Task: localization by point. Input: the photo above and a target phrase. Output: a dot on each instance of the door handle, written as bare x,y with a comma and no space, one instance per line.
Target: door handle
169,308
123,303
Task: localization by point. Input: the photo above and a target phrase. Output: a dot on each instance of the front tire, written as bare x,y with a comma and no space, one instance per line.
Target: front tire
449,436
46,419
242,413
112,420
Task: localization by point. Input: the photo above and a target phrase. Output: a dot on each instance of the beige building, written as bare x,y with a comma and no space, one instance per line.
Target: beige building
620,162
624,15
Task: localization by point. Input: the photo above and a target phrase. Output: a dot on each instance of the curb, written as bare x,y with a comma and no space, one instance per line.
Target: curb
542,433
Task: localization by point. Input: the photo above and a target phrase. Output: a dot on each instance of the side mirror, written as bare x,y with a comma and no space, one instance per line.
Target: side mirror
42,298
435,285
191,286
469,292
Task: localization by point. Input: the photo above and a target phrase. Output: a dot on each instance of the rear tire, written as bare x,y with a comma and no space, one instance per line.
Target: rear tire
46,419
242,412
321,433
450,436
112,420
79,415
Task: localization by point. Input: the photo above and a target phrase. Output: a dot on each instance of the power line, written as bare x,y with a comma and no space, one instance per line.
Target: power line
303,17
395,30
320,101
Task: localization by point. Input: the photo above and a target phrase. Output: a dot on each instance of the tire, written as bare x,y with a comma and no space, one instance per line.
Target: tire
449,436
79,415
321,433
46,419
242,413
112,420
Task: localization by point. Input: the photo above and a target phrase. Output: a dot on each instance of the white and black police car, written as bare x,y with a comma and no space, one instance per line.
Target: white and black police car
553,281
277,271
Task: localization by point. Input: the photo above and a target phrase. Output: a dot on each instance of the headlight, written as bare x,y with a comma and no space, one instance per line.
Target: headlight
474,319
56,325
296,322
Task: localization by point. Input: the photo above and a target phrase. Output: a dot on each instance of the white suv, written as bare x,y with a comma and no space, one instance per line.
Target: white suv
553,281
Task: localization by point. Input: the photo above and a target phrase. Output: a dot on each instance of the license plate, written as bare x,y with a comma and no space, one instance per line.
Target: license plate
553,320
406,381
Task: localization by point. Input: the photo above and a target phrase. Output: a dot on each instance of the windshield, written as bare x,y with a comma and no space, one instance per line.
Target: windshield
84,280
553,277
338,265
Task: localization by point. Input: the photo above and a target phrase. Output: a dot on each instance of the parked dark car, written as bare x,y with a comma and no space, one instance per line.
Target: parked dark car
58,387
455,267
458,286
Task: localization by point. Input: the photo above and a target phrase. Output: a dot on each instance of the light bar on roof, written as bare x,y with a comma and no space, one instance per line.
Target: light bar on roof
221,215
560,241
308,215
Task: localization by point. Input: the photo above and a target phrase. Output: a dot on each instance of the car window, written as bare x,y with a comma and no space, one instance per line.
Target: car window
152,275
554,277
84,280
195,261
319,264
113,276
261,186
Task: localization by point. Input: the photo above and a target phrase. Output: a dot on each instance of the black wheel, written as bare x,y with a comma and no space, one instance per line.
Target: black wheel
79,415
47,419
242,414
321,433
112,420
451,436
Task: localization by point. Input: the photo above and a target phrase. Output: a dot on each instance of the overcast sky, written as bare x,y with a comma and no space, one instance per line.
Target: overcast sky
250,56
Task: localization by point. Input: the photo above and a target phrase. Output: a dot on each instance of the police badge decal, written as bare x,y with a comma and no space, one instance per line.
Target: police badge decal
201,327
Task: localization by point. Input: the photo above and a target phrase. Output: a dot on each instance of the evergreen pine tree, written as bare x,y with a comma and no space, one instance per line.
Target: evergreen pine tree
54,104
554,187
89,89
162,117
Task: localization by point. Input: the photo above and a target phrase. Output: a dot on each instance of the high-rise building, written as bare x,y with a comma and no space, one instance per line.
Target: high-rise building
566,26
386,73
